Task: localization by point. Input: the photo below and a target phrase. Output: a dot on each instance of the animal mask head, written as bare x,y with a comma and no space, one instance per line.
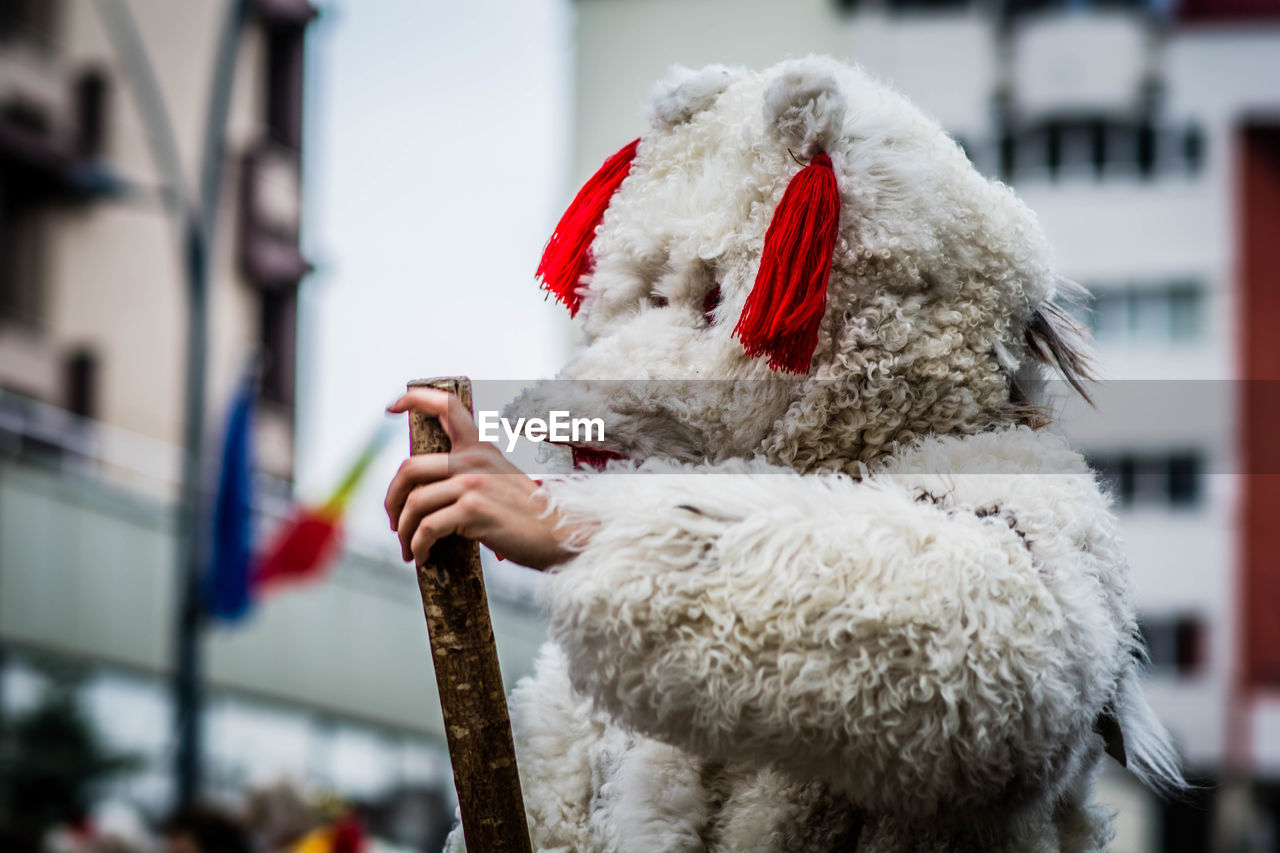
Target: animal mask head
797,263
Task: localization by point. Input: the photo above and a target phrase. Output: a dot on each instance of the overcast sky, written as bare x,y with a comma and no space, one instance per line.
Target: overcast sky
437,161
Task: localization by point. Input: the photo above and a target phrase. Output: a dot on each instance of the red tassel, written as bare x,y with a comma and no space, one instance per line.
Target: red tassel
783,312
567,257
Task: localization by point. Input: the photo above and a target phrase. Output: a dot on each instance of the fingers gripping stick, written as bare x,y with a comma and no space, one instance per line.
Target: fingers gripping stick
472,697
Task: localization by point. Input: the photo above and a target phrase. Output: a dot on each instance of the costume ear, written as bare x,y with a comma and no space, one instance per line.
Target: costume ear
804,107
684,92
567,257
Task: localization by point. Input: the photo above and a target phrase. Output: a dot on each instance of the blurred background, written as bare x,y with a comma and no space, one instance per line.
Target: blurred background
230,230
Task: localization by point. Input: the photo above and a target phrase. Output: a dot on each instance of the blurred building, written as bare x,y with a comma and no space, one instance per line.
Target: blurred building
1147,138
332,681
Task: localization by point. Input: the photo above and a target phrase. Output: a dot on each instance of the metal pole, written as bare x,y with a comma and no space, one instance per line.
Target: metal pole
187,693
197,233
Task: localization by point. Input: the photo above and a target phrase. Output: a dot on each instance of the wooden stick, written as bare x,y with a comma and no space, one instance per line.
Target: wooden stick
472,697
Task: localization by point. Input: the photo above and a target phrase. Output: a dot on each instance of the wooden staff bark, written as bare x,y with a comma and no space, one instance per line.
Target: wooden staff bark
472,696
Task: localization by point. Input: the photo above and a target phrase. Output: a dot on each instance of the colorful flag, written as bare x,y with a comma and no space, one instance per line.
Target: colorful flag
226,587
304,546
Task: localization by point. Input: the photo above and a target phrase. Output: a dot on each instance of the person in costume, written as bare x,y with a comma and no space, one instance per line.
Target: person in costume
835,587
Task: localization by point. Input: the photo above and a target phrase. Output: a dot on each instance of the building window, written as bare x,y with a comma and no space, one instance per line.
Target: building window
1014,8
1159,313
21,252
1175,644
80,378
91,96
1082,147
1174,479
851,6
32,22
270,217
1007,9
279,322
1229,11
284,86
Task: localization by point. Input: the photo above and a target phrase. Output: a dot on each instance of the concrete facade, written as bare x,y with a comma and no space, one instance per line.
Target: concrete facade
329,682
1154,235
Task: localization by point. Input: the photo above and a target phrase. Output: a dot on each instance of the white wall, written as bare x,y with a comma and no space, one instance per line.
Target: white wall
87,571
1120,231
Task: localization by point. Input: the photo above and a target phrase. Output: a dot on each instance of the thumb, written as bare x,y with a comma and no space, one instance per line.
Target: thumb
453,416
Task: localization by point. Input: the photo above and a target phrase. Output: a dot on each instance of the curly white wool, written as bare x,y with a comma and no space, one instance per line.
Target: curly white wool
857,601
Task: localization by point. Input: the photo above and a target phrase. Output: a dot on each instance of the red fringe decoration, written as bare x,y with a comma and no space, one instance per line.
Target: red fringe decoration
710,303
567,257
593,457
783,312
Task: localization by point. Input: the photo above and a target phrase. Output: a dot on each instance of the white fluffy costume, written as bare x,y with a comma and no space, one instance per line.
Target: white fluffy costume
865,605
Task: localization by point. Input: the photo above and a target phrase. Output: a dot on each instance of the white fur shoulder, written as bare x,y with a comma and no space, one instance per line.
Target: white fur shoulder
943,633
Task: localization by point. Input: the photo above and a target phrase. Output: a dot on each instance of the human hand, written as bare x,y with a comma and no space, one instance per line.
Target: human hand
472,491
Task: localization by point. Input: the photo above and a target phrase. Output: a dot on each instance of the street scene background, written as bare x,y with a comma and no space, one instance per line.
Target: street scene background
232,230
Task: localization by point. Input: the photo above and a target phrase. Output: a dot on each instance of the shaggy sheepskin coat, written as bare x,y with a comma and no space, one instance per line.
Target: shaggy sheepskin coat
866,608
